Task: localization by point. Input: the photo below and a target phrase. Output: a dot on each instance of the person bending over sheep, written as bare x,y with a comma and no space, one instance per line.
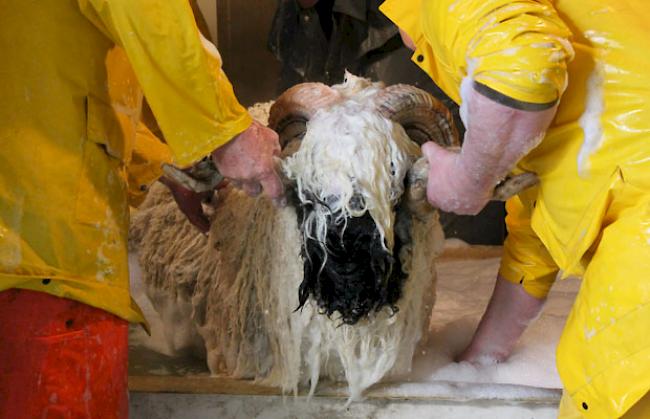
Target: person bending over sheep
508,64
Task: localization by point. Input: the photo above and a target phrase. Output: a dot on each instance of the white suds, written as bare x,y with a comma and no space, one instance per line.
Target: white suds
602,39
210,48
466,87
371,179
590,119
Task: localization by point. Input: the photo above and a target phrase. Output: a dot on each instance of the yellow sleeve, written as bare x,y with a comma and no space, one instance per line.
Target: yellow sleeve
179,71
525,260
145,165
515,51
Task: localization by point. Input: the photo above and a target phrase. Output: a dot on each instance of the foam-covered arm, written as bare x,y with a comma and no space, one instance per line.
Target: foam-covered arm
497,136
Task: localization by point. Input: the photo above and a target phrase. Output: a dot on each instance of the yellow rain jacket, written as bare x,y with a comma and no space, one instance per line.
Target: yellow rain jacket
67,135
145,166
148,152
590,215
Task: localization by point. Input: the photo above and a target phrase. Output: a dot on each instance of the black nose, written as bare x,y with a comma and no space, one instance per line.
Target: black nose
355,274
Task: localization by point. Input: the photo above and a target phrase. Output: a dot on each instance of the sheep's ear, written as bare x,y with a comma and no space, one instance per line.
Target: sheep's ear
291,111
423,117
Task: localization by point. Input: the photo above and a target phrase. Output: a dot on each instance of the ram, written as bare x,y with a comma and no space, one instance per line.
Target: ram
341,282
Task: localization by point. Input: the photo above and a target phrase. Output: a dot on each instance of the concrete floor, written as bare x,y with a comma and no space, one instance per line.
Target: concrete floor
201,406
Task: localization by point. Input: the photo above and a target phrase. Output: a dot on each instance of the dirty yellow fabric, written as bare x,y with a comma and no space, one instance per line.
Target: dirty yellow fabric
589,210
567,410
513,47
604,349
145,165
179,71
66,138
525,260
145,152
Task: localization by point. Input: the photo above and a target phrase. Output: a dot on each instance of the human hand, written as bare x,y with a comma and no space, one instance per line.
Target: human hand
190,203
451,186
248,160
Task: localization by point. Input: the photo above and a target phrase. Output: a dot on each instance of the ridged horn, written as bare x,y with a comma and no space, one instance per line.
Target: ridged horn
291,111
423,117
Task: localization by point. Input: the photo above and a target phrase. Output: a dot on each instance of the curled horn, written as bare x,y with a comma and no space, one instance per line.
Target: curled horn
291,111
424,118
288,117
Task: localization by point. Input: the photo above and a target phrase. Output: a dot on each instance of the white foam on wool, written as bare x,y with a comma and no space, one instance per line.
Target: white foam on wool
245,291
380,153
244,285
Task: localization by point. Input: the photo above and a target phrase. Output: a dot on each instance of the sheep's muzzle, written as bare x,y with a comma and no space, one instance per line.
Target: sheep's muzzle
355,274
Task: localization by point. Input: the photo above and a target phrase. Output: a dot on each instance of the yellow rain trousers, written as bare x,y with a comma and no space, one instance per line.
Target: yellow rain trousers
590,214
67,134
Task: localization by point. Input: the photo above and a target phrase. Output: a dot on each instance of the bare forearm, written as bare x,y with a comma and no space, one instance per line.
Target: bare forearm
507,316
498,136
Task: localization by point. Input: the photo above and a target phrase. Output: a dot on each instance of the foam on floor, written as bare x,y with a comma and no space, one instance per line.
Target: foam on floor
464,288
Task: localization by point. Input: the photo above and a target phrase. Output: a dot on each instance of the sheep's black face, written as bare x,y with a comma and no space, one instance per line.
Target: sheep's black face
358,275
